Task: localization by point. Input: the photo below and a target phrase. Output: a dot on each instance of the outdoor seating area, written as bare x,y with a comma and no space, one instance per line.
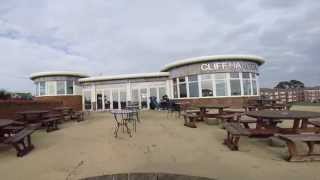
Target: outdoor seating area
159,142
17,132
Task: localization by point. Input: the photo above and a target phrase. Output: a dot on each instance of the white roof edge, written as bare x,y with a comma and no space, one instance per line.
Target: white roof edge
57,73
200,59
124,76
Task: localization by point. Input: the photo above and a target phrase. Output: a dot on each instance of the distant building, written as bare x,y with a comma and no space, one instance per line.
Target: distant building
312,94
292,95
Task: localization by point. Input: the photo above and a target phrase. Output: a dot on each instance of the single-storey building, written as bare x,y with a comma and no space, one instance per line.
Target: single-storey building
218,79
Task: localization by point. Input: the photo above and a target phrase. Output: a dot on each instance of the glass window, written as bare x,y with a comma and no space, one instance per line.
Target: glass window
193,86
221,84
246,75
253,75
162,92
123,98
87,100
135,96
69,87
51,87
37,88
61,86
115,99
42,88
246,87
107,102
254,87
175,89
182,87
206,85
153,92
144,98
235,84
246,83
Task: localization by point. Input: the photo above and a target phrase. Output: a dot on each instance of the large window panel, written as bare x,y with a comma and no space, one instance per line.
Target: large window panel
193,86
51,85
175,88
37,88
235,84
254,87
42,88
107,99
206,85
246,83
61,86
221,84
70,87
115,99
123,98
162,92
182,87
87,100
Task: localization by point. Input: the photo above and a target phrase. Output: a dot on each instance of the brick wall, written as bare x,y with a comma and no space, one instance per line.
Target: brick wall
74,102
9,108
233,102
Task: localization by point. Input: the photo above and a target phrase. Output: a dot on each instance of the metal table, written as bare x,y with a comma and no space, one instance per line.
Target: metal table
125,116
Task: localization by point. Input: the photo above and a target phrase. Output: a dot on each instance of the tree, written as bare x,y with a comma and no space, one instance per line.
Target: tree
4,95
292,84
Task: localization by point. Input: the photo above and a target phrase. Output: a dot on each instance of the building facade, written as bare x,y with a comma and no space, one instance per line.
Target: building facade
292,95
223,79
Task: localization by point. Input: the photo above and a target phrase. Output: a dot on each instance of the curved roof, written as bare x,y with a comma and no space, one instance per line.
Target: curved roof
201,59
57,73
124,76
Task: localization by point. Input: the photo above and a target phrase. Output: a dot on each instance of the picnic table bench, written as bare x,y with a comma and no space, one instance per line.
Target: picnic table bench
314,123
234,132
77,115
309,139
190,119
51,121
21,141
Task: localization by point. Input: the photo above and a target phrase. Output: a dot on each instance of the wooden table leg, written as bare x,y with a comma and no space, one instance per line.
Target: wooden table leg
304,123
296,124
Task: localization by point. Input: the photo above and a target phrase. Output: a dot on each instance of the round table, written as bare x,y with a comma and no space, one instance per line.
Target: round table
297,116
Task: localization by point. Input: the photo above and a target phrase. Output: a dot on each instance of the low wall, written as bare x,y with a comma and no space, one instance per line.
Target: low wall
75,102
232,102
8,109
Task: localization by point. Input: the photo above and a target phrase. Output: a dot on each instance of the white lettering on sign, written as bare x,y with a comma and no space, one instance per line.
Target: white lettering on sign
230,66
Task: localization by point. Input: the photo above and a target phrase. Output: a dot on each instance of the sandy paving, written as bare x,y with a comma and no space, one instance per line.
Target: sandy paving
161,144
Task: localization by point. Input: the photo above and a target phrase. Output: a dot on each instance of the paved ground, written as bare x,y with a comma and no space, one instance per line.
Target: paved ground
161,144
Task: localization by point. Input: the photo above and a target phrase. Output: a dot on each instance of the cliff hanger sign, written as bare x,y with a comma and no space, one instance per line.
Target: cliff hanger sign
232,66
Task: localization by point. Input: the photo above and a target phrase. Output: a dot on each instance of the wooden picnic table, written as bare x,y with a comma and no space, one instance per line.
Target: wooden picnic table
203,109
4,123
65,111
37,115
300,121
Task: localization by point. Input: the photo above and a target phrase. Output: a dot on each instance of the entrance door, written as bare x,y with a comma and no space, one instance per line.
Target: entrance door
107,100
115,99
144,98
99,101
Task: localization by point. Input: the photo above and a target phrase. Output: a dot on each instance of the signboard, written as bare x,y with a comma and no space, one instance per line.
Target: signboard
233,66
215,67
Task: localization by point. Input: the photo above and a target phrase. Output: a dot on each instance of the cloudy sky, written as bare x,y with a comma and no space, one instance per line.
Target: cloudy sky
133,36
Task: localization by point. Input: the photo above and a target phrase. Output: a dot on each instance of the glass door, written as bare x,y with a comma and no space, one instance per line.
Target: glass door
135,97
115,99
99,101
107,100
123,98
144,98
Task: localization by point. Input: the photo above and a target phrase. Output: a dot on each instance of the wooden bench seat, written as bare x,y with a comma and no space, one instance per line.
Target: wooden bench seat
190,119
78,116
309,139
51,124
234,132
315,123
21,141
